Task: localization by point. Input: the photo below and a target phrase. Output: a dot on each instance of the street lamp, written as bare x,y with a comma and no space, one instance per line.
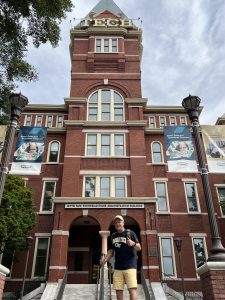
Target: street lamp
191,105
18,102
29,240
178,243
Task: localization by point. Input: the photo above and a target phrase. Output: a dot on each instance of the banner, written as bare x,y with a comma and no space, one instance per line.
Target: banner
179,149
3,129
214,143
29,150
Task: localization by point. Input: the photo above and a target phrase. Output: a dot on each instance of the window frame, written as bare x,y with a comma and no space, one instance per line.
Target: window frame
112,144
26,121
175,121
38,124
47,122
99,105
57,121
196,195
45,236
152,123
152,153
102,44
49,152
112,185
166,196
172,256
181,123
218,196
162,124
43,193
193,249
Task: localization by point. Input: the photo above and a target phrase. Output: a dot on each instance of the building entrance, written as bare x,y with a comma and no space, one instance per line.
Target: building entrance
84,251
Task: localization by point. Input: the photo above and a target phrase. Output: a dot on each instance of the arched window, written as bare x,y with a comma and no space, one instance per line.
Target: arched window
105,105
53,154
157,156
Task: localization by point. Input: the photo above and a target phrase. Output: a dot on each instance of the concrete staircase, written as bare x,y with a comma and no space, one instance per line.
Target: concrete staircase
88,292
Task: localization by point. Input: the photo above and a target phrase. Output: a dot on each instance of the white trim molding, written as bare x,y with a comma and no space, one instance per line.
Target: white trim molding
57,267
211,266
60,232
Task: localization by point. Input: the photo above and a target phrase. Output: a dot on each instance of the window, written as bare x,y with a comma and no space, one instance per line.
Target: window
157,152
49,121
28,120
40,265
191,197
221,196
59,121
162,121
199,251
48,193
106,45
173,121
152,122
167,257
6,258
53,155
105,186
101,144
161,194
105,105
183,121
38,122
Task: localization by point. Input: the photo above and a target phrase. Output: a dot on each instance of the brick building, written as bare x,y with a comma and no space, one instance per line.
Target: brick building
105,155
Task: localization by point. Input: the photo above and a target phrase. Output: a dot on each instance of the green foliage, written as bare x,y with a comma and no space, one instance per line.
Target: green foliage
17,213
20,22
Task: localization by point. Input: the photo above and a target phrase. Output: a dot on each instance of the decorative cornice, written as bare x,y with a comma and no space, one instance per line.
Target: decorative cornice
211,266
45,107
166,109
136,100
153,130
98,200
103,30
105,123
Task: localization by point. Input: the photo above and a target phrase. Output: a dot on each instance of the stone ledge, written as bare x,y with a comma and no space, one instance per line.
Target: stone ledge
211,266
4,271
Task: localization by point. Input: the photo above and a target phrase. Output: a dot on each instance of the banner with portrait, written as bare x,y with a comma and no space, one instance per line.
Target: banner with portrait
3,129
214,143
179,149
29,150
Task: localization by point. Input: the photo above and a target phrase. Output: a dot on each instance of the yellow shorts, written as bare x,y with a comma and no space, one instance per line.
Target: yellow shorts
120,277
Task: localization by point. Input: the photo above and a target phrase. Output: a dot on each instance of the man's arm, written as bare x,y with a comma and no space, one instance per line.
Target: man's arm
136,246
106,258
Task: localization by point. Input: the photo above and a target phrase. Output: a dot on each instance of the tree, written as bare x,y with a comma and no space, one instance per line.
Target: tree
17,213
20,22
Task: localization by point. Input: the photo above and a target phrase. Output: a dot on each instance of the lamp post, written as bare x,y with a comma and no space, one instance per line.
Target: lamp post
191,105
178,243
18,102
29,240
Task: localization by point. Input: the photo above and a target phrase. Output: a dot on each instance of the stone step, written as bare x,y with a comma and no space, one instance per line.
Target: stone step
88,292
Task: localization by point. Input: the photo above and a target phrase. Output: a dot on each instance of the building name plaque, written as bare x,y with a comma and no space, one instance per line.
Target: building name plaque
102,205
106,23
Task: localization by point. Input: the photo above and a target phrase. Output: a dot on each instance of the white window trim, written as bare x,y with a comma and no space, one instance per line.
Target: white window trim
153,162
185,120
57,118
42,196
218,196
11,267
175,121
102,44
197,197
25,120
160,123
112,186
35,254
46,120
173,255
193,249
36,118
167,196
150,122
48,154
99,105
112,144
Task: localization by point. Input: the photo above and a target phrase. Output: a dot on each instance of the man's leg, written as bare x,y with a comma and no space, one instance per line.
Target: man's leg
119,294
133,294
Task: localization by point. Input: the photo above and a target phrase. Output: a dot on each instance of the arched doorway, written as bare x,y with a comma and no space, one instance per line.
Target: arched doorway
84,250
131,224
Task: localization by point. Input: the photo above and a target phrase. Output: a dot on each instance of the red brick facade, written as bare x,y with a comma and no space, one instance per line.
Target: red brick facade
73,233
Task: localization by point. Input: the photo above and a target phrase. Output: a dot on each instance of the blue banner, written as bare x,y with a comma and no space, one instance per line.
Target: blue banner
179,149
29,150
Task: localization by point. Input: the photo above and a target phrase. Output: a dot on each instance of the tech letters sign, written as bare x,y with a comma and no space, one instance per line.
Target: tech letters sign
106,23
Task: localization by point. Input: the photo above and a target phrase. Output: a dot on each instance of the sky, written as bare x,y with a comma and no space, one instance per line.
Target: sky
183,53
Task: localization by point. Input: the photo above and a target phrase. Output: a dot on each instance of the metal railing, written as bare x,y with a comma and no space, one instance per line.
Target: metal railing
101,284
62,286
172,283
146,287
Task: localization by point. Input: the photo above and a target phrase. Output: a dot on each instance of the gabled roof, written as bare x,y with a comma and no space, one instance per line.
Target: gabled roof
106,5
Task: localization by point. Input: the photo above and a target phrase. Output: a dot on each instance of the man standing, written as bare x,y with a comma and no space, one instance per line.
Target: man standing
124,244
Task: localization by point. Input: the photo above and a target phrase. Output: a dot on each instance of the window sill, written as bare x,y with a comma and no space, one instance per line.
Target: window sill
45,213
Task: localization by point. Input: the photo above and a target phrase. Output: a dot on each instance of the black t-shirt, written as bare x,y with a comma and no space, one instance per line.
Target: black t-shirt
125,256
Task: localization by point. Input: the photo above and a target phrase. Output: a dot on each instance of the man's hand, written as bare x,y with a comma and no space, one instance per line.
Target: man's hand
130,243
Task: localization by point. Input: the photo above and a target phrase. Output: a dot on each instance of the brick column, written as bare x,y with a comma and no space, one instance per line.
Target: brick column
3,273
212,276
